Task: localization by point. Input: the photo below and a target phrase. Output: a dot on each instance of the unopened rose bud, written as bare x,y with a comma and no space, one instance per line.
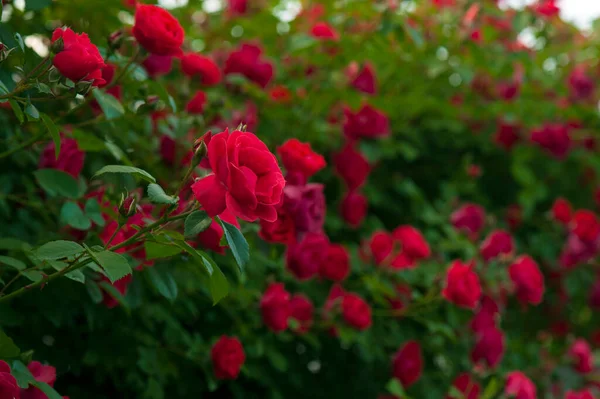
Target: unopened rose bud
58,45
241,127
115,40
127,206
200,153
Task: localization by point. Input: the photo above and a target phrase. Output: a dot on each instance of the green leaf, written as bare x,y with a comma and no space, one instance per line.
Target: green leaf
219,287
32,112
395,388
53,130
237,244
8,349
111,107
115,266
14,244
75,275
12,262
158,196
72,215
93,211
163,281
114,292
157,250
57,183
33,275
47,389
36,5
17,110
196,223
126,169
20,41
43,88
22,374
94,291
58,250
491,389
87,141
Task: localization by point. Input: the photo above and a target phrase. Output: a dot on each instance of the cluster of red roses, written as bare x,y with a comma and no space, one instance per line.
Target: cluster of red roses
9,389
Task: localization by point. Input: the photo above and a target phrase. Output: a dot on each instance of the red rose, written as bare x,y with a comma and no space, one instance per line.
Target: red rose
301,309
465,385
381,246
280,94
237,7
211,237
412,241
581,86
403,261
584,394
227,355
408,363
352,167
246,179
561,211
40,373
581,353
281,231
120,285
247,61
519,386
8,384
79,59
306,205
528,280
197,65
108,73
507,135
275,307
489,346
336,264
130,228
368,123
70,160
485,316
585,225
324,31
462,285
354,208
497,243
554,138
356,312
546,8
304,259
196,104
299,157
469,218
365,80
158,65
157,31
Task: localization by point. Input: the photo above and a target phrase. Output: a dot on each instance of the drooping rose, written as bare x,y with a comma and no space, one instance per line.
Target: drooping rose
275,307
554,138
8,384
497,243
469,218
228,357
247,61
306,206
79,59
368,122
412,241
408,363
561,211
467,386
356,312
352,167
489,346
301,309
462,285
196,65
336,264
157,31
353,208
297,156
246,179
581,355
158,65
304,259
519,386
365,80
70,159
528,280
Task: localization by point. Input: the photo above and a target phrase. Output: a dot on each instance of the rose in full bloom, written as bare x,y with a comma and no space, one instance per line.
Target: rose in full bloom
352,167
158,65
157,31
120,285
489,346
8,384
70,159
368,122
301,309
584,394
585,225
528,280
282,230
275,307
465,385
304,259
507,135
203,67
336,264
561,211
41,373
412,241
246,179
408,363
353,208
306,205
469,218
297,156
247,61
365,80
519,386
554,138
581,354
196,104
356,312
324,31
228,357
462,285
498,242
79,59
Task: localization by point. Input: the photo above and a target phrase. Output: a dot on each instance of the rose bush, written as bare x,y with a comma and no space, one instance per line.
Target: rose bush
382,199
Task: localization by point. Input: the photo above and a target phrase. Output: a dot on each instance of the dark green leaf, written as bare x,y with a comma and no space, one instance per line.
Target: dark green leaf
196,223
94,291
75,275
88,142
113,292
47,389
93,211
115,266
111,107
158,196
237,244
163,281
36,5
126,169
395,388
8,349
73,215
33,275
32,112
219,287
57,183
14,244
58,250
22,374
157,250
12,262
20,41
53,130
17,110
